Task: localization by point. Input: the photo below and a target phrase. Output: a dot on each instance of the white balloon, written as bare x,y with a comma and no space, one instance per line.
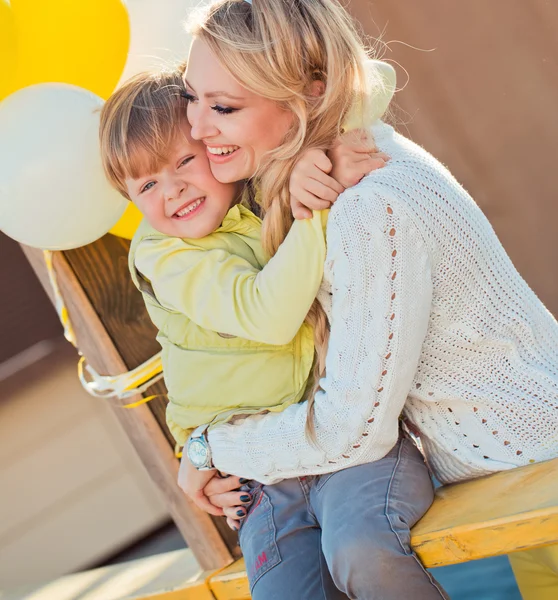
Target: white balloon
53,192
158,36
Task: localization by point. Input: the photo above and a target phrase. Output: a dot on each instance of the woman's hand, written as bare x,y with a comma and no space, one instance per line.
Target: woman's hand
353,156
192,482
310,186
223,493
214,493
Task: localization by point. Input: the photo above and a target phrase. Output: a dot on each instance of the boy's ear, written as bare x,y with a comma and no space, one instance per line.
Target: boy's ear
317,88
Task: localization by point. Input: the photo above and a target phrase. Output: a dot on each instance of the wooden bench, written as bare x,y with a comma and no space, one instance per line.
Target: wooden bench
499,514
502,513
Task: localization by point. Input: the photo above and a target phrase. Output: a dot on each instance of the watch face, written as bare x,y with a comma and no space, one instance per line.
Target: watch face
197,453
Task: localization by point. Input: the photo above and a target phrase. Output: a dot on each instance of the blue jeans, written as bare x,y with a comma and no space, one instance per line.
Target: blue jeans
341,535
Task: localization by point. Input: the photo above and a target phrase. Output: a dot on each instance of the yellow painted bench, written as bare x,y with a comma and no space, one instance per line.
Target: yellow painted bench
502,513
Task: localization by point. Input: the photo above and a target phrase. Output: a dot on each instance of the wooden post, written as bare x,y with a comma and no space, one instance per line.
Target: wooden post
115,333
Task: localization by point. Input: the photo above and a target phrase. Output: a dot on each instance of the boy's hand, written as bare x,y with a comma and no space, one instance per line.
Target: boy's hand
354,156
310,186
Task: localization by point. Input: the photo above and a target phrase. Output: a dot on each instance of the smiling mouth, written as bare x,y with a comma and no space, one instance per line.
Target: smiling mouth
190,208
222,150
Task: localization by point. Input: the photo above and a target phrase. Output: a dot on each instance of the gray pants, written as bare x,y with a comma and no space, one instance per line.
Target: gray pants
341,535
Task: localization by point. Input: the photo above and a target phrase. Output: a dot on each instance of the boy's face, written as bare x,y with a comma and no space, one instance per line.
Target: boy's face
183,199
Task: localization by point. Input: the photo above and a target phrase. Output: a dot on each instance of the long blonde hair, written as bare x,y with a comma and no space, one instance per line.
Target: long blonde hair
277,49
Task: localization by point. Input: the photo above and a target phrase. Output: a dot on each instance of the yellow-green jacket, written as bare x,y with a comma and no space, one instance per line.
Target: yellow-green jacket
230,329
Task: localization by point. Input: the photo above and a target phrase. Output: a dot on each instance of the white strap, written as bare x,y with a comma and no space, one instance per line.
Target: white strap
122,386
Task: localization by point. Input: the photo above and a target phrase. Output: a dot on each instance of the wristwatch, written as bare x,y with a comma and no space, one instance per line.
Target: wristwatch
198,450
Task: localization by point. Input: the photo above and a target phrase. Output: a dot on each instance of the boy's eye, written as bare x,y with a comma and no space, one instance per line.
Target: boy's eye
223,110
147,186
185,161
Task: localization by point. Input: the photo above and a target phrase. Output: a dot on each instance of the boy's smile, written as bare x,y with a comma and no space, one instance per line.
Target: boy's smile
188,209
182,199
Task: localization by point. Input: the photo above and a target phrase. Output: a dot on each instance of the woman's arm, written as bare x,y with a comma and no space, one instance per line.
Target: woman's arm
223,292
381,305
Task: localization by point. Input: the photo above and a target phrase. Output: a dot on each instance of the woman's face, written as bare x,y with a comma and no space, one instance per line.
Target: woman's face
237,126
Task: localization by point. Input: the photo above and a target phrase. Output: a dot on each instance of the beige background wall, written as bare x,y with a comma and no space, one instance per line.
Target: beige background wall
72,490
484,100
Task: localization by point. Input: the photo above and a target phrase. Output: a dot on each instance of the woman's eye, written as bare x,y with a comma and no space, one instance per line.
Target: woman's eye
223,110
188,97
147,186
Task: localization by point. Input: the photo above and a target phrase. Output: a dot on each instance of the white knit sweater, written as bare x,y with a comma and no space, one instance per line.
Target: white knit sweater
428,317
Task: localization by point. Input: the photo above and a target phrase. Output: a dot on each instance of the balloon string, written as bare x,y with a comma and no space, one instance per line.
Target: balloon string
123,386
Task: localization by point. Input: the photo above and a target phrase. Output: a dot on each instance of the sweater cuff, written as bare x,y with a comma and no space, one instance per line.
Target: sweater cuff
228,451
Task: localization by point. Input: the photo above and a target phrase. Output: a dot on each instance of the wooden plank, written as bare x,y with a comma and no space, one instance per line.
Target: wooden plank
140,424
104,277
102,270
508,511
231,583
502,513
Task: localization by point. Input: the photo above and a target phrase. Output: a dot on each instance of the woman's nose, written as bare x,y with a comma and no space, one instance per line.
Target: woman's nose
202,123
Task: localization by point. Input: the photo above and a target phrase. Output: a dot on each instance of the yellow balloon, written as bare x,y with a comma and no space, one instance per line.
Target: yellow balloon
82,42
8,50
129,222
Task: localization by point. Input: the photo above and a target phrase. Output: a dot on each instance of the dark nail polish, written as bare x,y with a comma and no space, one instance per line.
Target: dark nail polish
245,498
243,481
240,512
234,528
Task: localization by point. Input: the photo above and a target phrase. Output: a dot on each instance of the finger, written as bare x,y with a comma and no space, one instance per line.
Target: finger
328,181
366,159
371,164
233,524
218,485
322,162
364,149
313,202
381,155
364,169
321,191
235,512
201,501
231,499
300,212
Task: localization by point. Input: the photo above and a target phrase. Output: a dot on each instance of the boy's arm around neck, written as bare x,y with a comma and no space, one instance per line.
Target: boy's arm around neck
223,292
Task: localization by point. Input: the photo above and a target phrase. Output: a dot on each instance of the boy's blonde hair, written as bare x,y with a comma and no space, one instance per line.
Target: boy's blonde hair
278,49
139,124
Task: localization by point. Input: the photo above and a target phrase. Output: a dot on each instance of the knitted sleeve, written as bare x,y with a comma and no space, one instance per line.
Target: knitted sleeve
382,289
223,292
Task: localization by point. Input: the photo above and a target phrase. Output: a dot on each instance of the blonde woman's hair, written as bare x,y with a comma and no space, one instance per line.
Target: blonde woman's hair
278,49
139,124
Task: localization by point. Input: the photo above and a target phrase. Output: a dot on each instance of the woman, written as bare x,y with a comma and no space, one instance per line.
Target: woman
392,493
428,315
